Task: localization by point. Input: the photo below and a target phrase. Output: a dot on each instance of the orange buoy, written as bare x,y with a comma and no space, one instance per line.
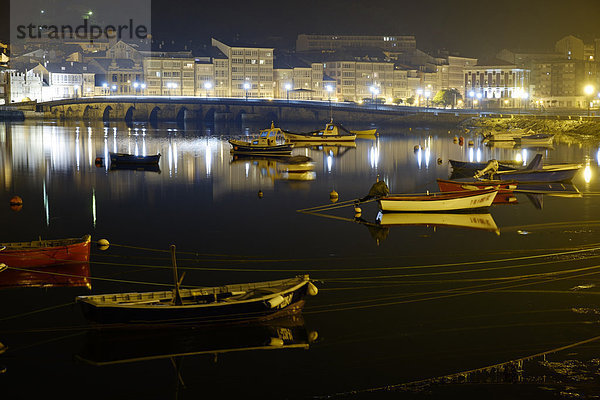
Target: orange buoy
16,201
98,161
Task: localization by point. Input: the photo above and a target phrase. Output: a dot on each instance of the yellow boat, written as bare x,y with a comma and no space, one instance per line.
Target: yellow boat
332,133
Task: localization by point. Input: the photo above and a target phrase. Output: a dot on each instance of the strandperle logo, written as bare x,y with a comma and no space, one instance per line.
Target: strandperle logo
83,31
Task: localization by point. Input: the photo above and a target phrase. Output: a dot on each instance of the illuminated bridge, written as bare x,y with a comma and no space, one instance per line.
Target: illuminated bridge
209,110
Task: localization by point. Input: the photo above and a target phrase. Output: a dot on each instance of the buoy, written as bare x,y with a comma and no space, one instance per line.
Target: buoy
311,289
357,210
455,139
275,301
417,148
276,342
357,215
470,143
439,161
103,244
16,201
313,336
260,194
98,162
461,140
2,348
334,195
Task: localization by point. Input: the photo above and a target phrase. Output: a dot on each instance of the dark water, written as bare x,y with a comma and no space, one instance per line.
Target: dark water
397,305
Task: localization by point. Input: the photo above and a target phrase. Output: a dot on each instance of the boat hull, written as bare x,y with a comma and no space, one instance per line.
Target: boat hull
450,201
565,174
215,312
475,166
122,158
35,254
249,149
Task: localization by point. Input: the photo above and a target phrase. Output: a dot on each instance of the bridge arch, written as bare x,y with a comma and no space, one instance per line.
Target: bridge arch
70,113
239,119
129,115
182,115
106,114
209,117
154,116
87,113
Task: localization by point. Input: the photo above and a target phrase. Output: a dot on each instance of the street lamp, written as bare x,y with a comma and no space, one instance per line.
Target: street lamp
374,92
329,89
288,87
427,95
471,95
113,88
207,86
246,88
479,97
419,94
588,90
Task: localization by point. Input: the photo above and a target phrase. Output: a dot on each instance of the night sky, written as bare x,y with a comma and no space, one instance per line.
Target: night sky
473,28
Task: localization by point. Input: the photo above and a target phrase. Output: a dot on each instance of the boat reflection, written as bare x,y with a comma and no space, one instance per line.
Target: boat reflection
483,221
133,167
292,168
115,346
336,149
59,275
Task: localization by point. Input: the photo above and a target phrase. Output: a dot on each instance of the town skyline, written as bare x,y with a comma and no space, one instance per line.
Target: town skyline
459,27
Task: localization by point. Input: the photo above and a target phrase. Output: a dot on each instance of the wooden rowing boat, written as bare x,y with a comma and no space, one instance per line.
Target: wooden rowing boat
124,158
39,253
233,303
445,201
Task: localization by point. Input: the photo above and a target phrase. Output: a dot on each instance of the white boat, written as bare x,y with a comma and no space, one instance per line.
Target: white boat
510,135
540,140
445,201
482,221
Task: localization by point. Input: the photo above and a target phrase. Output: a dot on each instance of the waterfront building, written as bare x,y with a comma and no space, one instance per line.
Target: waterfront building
497,85
250,69
117,76
66,80
169,73
561,83
19,86
401,43
455,73
296,79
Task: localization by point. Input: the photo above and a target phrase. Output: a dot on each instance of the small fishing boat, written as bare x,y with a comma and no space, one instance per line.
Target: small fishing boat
505,188
332,133
510,135
469,168
481,221
268,142
40,252
125,158
366,134
226,304
550,173
445,201
457,185
536,140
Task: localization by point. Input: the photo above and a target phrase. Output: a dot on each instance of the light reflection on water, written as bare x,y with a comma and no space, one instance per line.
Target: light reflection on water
382,317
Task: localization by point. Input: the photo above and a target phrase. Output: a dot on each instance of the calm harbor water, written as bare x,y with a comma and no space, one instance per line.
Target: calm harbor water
399,303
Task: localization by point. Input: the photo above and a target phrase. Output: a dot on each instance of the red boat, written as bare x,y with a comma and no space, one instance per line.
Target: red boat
39,253
455,186
68,275
505,188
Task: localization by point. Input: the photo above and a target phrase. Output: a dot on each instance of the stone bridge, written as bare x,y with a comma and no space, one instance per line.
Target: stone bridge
210,110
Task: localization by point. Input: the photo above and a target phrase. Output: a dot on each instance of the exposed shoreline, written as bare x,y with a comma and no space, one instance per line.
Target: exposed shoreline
580,129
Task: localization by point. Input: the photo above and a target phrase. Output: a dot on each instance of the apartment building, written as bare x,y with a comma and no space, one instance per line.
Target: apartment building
402,43
295,78
250,69
66,80
169,73
497,85
561,83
